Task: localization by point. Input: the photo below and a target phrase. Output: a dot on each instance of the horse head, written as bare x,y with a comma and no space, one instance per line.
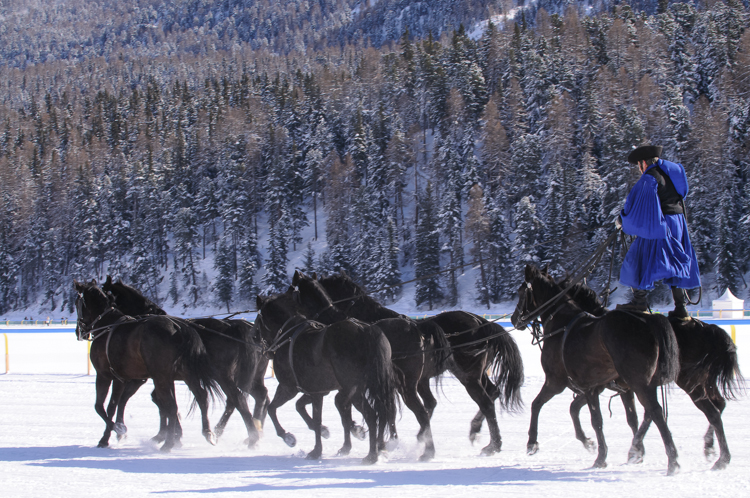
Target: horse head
91,304
313,300
129,300
532,293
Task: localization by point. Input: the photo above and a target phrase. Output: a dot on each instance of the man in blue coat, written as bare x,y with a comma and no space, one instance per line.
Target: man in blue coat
655,213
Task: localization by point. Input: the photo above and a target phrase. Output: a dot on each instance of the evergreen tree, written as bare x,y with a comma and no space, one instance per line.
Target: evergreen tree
224,284
427,256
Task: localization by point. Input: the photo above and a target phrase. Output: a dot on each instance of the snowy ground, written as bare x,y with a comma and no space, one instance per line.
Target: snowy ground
49,430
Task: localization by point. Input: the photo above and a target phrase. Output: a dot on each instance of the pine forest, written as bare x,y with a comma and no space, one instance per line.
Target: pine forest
193,160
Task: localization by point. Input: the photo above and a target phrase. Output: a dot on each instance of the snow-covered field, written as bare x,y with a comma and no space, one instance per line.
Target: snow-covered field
49,430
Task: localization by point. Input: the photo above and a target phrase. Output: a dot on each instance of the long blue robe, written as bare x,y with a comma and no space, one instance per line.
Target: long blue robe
662,248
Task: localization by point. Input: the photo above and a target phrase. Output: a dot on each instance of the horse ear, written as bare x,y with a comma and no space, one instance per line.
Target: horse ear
109,280
77,285
259,302
297,276
93,281
315,276
545,270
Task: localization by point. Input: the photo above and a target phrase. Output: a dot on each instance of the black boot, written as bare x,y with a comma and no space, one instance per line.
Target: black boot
679,304
638,303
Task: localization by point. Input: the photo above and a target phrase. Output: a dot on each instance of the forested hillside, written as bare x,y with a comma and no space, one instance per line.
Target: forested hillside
155,154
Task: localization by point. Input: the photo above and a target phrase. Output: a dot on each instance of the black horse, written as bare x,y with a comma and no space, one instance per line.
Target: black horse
709,374
476,345
125,349
585,353
350,357
235,353
417,354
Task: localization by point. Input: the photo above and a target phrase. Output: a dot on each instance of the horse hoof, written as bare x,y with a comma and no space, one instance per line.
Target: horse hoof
370,459
251,441
473,437
532,448
158,438
599,465
314,455
391,444
491,449
427,456
324,432
258,424
673,468
290,440
635,456
120,429
103,444
344,451
720,464
218,431
166,448
211,438
589,445
358,431
709,452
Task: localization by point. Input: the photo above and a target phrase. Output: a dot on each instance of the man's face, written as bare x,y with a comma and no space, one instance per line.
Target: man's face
642,166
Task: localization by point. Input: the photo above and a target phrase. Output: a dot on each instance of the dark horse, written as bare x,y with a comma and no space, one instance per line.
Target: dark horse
476,346
350,357
415,356
235,353
156,347
585,353
709,374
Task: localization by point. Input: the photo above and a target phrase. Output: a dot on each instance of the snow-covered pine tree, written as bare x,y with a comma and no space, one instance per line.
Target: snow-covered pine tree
224,283
427,254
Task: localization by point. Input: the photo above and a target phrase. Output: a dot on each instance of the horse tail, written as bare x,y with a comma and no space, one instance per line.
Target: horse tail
194,361
381,379
720,361
441,350
506,367
669,352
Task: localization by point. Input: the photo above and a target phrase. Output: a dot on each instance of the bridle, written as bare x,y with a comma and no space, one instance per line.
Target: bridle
84,331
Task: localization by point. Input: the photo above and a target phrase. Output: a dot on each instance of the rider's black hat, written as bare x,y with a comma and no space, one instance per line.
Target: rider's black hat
644,152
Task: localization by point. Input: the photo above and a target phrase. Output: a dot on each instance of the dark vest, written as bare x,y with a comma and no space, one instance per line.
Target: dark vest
669,199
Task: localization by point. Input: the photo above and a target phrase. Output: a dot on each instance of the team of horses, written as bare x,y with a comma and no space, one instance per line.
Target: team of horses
327,334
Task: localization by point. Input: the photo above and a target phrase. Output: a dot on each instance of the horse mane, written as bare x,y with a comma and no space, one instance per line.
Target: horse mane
121,289
585,297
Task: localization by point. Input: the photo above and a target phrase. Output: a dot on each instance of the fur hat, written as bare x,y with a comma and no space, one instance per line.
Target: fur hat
644,152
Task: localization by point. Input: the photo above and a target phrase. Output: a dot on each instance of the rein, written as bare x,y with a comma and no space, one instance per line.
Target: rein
583,271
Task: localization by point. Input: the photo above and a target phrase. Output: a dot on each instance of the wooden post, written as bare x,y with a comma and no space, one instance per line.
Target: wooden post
734,334
7,355
88,357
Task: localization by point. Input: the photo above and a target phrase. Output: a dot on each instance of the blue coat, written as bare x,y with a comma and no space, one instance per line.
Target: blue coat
662,248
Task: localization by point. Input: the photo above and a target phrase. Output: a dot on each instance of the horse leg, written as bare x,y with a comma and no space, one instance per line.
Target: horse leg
548,391
371,419
317,402
221,425
476,423
592,397
102,388
708,405
236,398
301,404
283,394
161,436
130,389
650,403
259,392
411,399
429,401
164,398
637,450
345,411
201,397
487,406
578,402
